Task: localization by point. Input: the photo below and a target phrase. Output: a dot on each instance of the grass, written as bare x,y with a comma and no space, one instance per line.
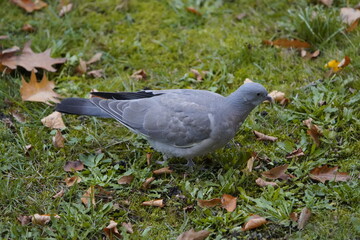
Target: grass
167,41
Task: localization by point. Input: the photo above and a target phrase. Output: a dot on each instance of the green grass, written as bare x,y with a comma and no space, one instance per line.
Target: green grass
167,41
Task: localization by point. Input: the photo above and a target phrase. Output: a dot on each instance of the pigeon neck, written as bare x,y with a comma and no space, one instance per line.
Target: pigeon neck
239,104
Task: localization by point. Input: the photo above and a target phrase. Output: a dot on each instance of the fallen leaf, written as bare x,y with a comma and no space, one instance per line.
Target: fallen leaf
35,91
111,230
162,171
30,5
209,203
313,130
344,62
308,55
279,97
248,80
42,219
65,9
325,173
304,217
198,75
147,182
250,163
126,179
353,26
154,203
327,3
192,235
148,158
81,68
296,153
72,180
241,16
262,183
30,60
193,10
28,28
59,194
254,221
128,227
139,75
54,121
262,137
96,73
58,140
277,172
228,202
89,195
24,220
287,43
349,15
294,216
27,149
94,58
72,166
188,208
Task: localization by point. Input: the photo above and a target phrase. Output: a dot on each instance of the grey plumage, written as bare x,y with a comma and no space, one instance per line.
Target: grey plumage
181,122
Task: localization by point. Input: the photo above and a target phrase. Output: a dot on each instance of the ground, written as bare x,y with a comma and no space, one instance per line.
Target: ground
167,41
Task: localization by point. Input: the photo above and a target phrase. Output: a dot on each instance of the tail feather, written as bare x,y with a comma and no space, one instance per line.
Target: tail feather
80,106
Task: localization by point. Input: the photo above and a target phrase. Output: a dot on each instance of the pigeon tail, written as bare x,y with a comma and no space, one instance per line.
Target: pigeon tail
80,106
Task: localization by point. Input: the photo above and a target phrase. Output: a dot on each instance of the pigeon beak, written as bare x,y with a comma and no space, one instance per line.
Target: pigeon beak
269,98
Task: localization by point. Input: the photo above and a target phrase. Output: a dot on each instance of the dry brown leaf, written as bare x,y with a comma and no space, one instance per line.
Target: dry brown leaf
89,195
193,10
81,68
128,226
353,26
314,131
254,221
262,137
287,43
192,235
162,171
58,140
59,194
96,73
327,3
30,60
277,172
24,220
308,55
325,173
228,202
296,153
198,75
126,179
30,5
209,203
250,163
54,121
94,58
279,97
248,80
148,158
344,62
139,75
72,166
28,28
241,16
349,15
147,182
111,230
72,180
42,219
294,216
262,183
304,217
65,9
18,116
35,91
154,203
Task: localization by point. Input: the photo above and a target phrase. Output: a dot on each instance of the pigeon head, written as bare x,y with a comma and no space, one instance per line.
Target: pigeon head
253,93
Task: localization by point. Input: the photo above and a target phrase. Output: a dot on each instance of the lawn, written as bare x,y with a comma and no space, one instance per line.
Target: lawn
167,42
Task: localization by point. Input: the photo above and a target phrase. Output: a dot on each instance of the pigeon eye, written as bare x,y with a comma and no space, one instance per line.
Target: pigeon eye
258,94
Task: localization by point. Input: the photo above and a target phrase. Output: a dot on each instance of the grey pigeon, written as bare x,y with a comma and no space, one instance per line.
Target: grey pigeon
178,123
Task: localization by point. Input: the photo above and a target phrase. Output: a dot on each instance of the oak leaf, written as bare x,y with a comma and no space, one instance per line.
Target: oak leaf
296,153
228,202
192,235
54,120
43,219
287,43
313,130
24,220
262,183
139,75
72,180
325,173
58,140
279,97
30,5
30,60
71,166
349,15
262,137
35,91
209,203
277,172
254,221
126,179
89,196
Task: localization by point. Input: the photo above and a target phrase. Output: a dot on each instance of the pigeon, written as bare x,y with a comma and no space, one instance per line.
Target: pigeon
181,123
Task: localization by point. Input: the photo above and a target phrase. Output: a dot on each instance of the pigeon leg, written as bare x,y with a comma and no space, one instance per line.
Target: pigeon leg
164,161
190,163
